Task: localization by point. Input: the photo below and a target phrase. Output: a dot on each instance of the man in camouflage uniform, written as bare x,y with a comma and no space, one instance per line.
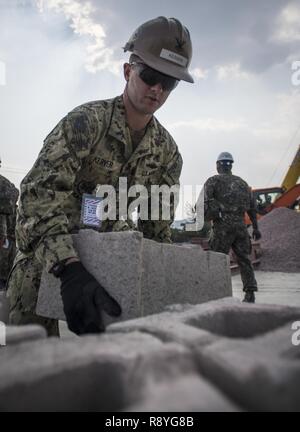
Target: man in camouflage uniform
227,198
95,144
8,201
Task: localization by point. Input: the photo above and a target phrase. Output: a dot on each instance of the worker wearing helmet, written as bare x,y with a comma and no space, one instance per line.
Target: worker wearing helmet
227,198
8,201
95,144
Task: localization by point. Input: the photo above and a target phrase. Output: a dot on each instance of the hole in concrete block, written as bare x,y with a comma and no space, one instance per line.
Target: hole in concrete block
242,322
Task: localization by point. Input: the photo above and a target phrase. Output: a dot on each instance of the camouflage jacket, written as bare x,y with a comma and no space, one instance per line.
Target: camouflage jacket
226,198
89,147
8,200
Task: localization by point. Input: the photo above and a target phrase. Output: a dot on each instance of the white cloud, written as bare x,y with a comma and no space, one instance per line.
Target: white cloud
210,124
79,15
288,24
231,71
199,73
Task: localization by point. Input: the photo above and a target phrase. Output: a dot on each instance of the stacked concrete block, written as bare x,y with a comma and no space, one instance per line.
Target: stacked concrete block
188,393
221,355
19,334
93,373
114,259
144,276
245,350
177,274
261,374
170,325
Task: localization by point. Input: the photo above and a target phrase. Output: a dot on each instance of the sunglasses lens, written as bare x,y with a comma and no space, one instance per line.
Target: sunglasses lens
152,77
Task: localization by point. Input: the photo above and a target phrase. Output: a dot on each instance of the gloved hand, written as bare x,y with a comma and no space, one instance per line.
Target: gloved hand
84,300
256,234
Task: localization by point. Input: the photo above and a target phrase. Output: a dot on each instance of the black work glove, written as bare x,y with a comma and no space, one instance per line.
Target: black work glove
256,235
84,300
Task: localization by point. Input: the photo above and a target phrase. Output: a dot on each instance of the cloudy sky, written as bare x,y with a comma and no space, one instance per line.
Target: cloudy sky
57,54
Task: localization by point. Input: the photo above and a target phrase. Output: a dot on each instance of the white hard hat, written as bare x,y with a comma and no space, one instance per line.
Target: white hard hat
225,156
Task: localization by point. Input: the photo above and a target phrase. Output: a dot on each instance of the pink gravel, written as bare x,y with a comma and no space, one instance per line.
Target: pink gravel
280,241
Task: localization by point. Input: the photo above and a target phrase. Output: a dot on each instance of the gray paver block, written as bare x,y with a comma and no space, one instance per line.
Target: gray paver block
189,393
92,373
261,374
143,275
176,274
221,355
20,334
243,349
234,319
114,259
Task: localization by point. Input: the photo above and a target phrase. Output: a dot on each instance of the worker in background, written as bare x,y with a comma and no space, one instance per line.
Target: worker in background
95,144
8,202
227,198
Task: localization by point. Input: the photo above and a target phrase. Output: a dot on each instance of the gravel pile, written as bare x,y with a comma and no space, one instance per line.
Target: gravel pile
280,241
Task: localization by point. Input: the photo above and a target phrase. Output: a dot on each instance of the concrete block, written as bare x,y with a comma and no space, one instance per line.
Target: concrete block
245,350
20,334
220,275
143,275
114,259
188,393
91,373
178,274
203,324
4,307
221,355
254,362
234,319
262,374
168,326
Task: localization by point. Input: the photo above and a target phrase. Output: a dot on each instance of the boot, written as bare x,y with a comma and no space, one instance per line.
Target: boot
249,297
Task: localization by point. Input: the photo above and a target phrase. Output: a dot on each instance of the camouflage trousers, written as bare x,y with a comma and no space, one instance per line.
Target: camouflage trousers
23,287
7,257
235,236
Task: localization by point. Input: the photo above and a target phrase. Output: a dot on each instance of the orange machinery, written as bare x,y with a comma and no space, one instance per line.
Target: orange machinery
287,195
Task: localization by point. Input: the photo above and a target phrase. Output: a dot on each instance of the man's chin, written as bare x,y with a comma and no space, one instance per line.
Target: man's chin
148,111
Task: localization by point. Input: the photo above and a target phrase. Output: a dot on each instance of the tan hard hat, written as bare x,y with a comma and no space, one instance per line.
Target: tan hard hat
165,45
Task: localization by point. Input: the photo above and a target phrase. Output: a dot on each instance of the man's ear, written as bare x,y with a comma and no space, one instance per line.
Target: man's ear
126,71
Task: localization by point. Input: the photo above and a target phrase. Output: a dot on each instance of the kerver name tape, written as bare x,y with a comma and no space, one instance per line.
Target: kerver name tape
174,57
90,210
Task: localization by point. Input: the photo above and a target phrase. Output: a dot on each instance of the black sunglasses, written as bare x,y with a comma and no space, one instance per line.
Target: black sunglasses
151,77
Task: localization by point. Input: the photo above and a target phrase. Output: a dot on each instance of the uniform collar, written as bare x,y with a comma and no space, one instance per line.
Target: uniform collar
118,130
117,126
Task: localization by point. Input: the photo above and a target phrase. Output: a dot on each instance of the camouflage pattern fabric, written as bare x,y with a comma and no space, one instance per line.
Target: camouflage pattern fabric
89,147
8,201
227,198
24,284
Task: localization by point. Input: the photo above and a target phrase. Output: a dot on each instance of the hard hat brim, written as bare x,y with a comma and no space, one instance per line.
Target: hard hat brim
166,67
